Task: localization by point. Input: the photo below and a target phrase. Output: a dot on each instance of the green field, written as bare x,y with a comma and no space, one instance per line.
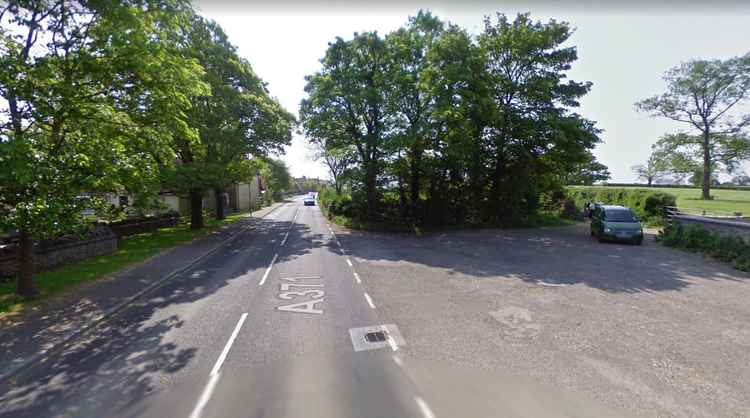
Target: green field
725,202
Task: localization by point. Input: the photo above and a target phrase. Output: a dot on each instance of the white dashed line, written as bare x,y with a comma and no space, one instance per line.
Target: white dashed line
214,376
391,341
349,262
205,396
268,270
356,277
369,301
228,345
285,237
426,411
398,361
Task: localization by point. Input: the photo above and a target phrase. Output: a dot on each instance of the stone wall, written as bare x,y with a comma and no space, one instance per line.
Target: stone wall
720,226
132,227
49,257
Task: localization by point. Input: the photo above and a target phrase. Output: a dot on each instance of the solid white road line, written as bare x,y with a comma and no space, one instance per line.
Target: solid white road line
214,376
356,276
369,301
349,262
426,411
268,270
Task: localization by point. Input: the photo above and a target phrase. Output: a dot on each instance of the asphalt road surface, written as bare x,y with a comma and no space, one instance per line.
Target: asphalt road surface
293,319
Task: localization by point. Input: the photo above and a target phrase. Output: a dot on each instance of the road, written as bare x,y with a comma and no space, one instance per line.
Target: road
528,323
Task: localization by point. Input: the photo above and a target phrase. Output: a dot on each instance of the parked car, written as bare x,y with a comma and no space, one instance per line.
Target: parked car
616,223
309,201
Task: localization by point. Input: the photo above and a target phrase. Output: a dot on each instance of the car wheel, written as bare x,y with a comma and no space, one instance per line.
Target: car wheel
639,242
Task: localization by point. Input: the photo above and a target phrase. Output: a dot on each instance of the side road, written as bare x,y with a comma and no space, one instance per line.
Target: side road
27,338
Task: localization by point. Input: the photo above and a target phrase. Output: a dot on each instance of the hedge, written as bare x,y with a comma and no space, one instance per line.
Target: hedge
694,237
645,203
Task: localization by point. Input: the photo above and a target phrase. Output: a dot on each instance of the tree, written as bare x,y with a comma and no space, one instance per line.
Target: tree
684,153
237,119
473,128
707,95
526,66
589,172
655,169
277,177
408,100
80,116
338,160
346,104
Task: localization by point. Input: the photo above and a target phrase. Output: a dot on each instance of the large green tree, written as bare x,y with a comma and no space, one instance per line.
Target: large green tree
346,104
473,128
409,98
707,95
83,81
526,69
236,121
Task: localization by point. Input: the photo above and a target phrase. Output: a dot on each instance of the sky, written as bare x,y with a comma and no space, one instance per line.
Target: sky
623,49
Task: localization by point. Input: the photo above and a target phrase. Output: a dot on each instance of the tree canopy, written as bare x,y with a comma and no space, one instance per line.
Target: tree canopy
105,96
706,95
447,127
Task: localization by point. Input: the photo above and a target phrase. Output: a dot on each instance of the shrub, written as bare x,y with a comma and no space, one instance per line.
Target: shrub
695,237
647,204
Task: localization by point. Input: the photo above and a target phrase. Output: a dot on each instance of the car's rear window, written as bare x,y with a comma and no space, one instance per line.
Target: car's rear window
620,216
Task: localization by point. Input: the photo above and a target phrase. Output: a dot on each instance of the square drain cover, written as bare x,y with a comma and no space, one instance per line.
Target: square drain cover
375,337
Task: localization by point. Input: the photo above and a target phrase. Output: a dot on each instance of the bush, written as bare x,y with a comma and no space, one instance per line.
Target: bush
694,237
647,204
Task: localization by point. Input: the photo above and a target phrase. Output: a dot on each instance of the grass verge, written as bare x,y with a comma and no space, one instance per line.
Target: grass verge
131,250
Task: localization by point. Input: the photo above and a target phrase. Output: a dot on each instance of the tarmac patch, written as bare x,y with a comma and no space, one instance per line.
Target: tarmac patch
517,322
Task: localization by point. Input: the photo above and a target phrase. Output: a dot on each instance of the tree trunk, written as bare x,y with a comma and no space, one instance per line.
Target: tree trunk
370,186
196,209
219,195
25,286
706,193
415,172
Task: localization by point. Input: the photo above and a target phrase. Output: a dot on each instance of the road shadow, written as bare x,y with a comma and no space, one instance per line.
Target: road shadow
126,359
545,256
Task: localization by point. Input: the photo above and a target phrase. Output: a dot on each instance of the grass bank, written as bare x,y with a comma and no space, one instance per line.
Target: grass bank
724,202
131,250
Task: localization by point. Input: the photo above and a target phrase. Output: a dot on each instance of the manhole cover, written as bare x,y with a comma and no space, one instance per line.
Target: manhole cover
375,337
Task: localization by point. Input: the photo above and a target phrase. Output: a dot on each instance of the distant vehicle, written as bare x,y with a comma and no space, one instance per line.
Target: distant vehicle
309,201
616,223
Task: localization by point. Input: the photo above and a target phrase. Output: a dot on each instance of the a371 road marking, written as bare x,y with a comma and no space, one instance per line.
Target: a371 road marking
310,290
